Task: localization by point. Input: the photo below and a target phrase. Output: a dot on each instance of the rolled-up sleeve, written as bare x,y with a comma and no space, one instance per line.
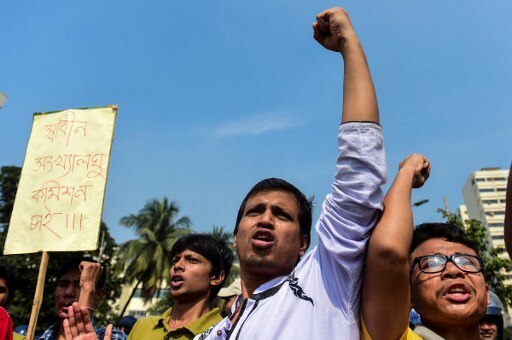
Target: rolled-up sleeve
350,211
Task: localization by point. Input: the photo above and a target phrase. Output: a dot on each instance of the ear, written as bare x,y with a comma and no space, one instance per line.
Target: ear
216,280
304,244
234,241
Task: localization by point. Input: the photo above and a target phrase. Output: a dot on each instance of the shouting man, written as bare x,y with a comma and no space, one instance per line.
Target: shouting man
316,297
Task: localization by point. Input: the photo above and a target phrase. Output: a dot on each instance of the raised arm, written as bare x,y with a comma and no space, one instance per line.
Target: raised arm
508,215
334,31
90,273
351,209
386,298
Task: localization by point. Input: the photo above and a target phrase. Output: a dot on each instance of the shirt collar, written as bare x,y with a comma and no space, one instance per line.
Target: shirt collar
196,327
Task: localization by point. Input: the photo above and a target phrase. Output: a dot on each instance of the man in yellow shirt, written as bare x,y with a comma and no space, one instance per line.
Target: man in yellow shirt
199,266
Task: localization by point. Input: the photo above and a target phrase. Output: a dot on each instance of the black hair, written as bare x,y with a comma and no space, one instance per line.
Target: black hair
7,273
304,204
449,232
74,263
214,250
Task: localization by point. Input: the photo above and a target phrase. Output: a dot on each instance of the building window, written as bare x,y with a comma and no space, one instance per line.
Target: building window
489,201
497,237
480,179
486,190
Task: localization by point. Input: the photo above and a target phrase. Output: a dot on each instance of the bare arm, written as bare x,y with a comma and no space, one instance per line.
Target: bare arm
334,31
90,273
508,215
386,297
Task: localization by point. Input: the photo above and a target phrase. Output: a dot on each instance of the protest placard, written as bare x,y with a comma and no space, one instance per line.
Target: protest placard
60,196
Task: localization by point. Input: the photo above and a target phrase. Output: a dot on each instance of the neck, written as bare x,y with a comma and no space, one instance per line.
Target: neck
250,282
184,313
454,332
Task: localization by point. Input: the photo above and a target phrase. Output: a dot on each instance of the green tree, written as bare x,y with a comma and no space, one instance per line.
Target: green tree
496,263
9,178
146,260
218,233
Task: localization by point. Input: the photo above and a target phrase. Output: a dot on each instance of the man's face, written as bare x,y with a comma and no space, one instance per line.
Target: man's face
451,296
67,292
191,276
4,294
269,240
488,330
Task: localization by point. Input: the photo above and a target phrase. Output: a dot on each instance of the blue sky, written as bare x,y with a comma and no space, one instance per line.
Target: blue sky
216,95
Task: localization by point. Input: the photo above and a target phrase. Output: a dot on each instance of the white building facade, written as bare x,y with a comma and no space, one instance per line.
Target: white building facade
484,194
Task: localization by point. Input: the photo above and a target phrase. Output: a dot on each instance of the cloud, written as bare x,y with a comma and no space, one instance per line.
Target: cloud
257,125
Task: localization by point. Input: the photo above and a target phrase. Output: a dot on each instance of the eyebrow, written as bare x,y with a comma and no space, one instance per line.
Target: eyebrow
276,208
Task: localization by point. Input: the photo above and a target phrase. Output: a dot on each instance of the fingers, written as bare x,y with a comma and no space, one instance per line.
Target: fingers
108,332
78,318
90,273
419,167
319,34
322,20
416,161
67,330
87,320
332,28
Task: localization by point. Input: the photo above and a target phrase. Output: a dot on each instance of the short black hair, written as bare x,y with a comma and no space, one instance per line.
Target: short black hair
276,184
214,250
7,273
74,264
449,232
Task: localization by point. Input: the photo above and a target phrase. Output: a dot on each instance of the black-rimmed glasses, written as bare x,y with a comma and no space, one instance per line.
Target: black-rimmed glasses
436,263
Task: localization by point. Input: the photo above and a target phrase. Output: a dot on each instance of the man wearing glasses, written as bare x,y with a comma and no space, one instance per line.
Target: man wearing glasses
434,269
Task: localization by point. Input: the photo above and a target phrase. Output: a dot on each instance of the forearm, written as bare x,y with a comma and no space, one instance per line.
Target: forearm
508,215
87,296
359,98
385,298
393,232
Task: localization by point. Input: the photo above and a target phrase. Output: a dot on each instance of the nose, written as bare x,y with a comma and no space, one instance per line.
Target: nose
266,219
484,326
452,271
178,265
70,291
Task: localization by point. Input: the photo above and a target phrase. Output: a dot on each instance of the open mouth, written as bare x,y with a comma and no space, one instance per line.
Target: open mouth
64,307
176,281
457,293
262,239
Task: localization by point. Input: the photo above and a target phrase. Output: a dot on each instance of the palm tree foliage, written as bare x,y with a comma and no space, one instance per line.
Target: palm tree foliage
146,259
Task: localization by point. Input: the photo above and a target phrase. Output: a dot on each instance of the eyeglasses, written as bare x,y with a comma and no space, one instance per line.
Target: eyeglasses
436,263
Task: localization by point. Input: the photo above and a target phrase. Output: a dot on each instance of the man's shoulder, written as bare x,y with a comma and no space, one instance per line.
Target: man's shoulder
148,320
147,324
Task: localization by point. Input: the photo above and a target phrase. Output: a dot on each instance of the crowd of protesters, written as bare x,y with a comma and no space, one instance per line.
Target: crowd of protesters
369,269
